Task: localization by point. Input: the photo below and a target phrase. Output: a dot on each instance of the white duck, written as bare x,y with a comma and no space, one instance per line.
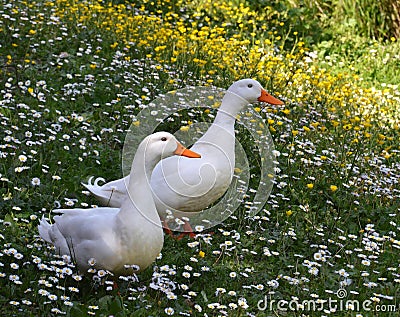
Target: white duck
192,185
118,238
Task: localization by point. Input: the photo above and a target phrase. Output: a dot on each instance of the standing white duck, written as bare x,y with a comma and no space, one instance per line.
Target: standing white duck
192,185
118,238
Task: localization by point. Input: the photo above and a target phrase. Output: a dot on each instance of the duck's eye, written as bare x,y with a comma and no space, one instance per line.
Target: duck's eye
250,85
164,138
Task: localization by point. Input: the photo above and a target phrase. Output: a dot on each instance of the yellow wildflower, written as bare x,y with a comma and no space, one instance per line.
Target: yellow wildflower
333,188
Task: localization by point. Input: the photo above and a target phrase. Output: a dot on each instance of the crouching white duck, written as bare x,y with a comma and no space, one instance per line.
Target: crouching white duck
120,240
192,185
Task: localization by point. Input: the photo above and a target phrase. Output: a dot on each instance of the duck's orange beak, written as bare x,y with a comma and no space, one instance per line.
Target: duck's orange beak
181,150
266,97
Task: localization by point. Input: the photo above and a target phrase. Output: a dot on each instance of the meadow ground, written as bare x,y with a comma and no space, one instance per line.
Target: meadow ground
74,74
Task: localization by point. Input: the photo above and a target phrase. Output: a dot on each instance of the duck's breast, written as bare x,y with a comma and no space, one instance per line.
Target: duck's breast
192,184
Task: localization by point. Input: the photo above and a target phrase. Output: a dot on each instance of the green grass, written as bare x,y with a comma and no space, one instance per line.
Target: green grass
353,36
375,61
332,221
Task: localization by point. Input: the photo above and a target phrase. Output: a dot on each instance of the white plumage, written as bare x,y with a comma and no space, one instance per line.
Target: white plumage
118,237
188,185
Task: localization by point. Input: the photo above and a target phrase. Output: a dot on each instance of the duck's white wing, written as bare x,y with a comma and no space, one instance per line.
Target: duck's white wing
77,212
83,233
190,184
84,223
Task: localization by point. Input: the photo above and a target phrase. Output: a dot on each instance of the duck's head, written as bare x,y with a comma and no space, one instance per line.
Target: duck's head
252,91
164,144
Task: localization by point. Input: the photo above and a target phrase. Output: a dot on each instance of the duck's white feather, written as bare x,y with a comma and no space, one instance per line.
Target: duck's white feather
117,238
192,185
110,194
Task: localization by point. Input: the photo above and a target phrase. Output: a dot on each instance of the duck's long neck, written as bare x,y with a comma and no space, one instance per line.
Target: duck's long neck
223,127
139,189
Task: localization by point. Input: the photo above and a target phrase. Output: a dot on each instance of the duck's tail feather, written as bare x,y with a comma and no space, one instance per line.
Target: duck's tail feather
93,186
100,192
110,194
44,230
